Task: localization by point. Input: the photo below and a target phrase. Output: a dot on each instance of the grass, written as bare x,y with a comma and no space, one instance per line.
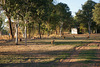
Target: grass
10,59
89,55
21,59
54,56
93,46
29,59
45,55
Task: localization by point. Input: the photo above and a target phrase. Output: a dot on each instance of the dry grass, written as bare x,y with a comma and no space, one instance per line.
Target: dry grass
22,48
66,52
4,37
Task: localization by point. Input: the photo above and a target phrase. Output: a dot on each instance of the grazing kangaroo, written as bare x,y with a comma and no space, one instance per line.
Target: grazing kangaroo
52,42
88,37
73,36
63,37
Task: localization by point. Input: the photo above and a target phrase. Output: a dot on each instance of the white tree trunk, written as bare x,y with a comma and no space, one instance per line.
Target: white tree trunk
61,29
16,34
25,33
17,31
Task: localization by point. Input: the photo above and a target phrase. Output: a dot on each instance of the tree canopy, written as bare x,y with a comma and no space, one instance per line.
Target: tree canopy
84,16
96,13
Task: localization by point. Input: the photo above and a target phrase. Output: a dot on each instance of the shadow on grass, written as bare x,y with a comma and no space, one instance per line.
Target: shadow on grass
89,55
60,43
48,41
69,38
71,43
61,54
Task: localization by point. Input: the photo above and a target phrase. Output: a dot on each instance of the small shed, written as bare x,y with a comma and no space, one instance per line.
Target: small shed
74,31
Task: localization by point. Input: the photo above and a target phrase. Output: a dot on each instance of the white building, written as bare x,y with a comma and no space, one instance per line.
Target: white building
74,31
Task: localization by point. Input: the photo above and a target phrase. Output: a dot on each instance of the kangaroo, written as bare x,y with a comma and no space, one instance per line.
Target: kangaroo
52,42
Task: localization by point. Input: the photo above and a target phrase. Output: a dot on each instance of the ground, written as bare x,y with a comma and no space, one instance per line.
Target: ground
78,51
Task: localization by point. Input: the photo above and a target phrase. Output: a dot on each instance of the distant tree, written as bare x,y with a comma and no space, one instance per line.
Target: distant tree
63,13
8,6
80,21
88,14
96,13
30,27
42,12
84,16
2,20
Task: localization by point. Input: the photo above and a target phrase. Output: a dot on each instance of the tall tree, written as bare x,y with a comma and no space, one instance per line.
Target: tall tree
88,14
42,9
63,13
84,16
7,6
96,13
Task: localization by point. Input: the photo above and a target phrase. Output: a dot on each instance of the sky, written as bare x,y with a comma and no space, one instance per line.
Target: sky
74,5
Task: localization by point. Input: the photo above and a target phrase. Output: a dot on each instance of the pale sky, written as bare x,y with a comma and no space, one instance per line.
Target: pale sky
74,5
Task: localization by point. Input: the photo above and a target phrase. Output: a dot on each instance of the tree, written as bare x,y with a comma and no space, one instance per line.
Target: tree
84,16
96,13
1,22
87,12
7,6
62,11
80,21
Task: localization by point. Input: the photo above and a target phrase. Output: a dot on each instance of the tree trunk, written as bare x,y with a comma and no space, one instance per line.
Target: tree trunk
25,33
96,31
10,26
39,30
29,33
48,33
56,31
89,28
61,29
16,34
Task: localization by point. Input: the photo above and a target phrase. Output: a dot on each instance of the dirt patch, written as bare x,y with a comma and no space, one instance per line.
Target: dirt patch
23,48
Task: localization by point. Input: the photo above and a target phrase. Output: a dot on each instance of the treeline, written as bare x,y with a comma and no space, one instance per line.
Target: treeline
88,17
43,17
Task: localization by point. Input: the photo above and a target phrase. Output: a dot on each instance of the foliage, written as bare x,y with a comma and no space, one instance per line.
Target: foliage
84,16
43,13
96,13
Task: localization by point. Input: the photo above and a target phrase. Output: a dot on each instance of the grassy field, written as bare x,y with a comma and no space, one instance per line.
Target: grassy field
69,52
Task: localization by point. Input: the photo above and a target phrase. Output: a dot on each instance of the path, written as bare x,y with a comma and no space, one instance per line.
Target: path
72,61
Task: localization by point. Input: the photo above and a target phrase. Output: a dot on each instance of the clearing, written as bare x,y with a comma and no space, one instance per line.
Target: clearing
68,52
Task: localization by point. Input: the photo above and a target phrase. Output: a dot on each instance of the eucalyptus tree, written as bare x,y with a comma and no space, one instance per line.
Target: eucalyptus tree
87,13
7,6
80,21
84,16
41,12
51,18
23,11
64,14
96,13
